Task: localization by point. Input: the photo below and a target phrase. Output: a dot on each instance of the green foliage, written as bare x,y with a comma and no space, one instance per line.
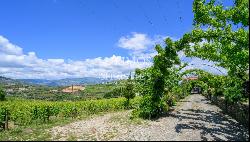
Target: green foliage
129,92
221,35
115,93
24,112
170,99
155,82
97,91
2,94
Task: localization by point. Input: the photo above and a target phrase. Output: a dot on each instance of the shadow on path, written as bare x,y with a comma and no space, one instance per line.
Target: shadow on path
210,124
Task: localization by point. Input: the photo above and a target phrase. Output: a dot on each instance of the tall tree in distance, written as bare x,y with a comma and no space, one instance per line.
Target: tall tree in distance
129,92
2,94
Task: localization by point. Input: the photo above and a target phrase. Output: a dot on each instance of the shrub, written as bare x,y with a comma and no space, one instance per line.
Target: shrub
129,92
2,94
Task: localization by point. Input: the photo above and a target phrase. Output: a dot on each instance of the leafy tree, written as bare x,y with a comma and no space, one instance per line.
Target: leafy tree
154,82
221,35
129,92
2,94
212,85
116,92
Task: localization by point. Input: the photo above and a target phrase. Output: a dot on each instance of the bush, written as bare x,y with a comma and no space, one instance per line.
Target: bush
115,93
170,99
2,94
129,92
149,109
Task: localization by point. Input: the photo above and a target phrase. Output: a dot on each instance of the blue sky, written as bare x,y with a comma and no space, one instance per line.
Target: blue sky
70,33
79,28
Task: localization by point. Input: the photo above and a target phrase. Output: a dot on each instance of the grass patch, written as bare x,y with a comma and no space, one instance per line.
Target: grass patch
138,121
127,119
91,137
39,132
110,135
72,138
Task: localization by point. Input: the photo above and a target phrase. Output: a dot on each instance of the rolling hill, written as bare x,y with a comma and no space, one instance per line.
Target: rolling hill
8,81
66,82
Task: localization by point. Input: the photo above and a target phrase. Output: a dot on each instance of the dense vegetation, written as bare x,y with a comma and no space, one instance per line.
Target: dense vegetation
220,35
2,94
40,92
128,91
23,112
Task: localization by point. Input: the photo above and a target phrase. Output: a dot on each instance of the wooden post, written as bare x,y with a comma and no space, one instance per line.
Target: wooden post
6,126
72,88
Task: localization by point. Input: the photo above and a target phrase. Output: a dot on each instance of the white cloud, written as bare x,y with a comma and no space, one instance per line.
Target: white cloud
15,64
137,41
8,48
141,46
56,61
140,42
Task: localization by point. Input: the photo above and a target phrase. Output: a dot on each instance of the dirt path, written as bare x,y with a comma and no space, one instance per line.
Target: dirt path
193,119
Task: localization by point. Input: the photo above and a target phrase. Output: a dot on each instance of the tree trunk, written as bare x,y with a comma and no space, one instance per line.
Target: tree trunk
6,126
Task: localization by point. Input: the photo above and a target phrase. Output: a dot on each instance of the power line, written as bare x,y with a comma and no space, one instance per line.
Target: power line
149,20
162,13
124,16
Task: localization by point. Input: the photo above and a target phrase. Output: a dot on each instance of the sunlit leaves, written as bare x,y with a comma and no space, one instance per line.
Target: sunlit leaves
221,35
25,112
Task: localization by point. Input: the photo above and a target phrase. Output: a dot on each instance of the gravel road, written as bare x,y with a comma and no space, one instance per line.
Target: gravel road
193,119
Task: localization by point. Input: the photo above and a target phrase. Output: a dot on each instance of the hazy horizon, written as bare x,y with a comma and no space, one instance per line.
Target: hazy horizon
56,39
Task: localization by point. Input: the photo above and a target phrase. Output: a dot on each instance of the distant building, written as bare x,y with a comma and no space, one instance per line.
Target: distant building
73,88
54,90
22,89
191,78
196,89
9,90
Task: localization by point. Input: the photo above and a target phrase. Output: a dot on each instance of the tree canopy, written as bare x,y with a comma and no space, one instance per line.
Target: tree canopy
220,35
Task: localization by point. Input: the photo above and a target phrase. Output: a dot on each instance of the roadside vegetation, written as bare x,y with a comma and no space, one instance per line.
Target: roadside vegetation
220,35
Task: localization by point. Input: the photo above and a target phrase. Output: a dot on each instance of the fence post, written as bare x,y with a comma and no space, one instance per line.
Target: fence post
6,125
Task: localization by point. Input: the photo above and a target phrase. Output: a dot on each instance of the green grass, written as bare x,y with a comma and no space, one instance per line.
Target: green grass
36,129
96,91
40,132
128,120
72,137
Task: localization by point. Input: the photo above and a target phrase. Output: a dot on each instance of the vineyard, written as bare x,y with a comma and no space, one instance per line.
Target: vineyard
220,35
25,112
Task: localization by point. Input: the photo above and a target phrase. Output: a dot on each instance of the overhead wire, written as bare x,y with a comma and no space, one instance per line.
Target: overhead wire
149,20
126,18
84,3
161,9
178,7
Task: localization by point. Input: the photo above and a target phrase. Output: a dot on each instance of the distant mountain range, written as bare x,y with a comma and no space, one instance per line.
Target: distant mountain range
60,82
66,82
5,80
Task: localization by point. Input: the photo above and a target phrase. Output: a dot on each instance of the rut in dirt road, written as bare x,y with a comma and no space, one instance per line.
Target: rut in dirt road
193,119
